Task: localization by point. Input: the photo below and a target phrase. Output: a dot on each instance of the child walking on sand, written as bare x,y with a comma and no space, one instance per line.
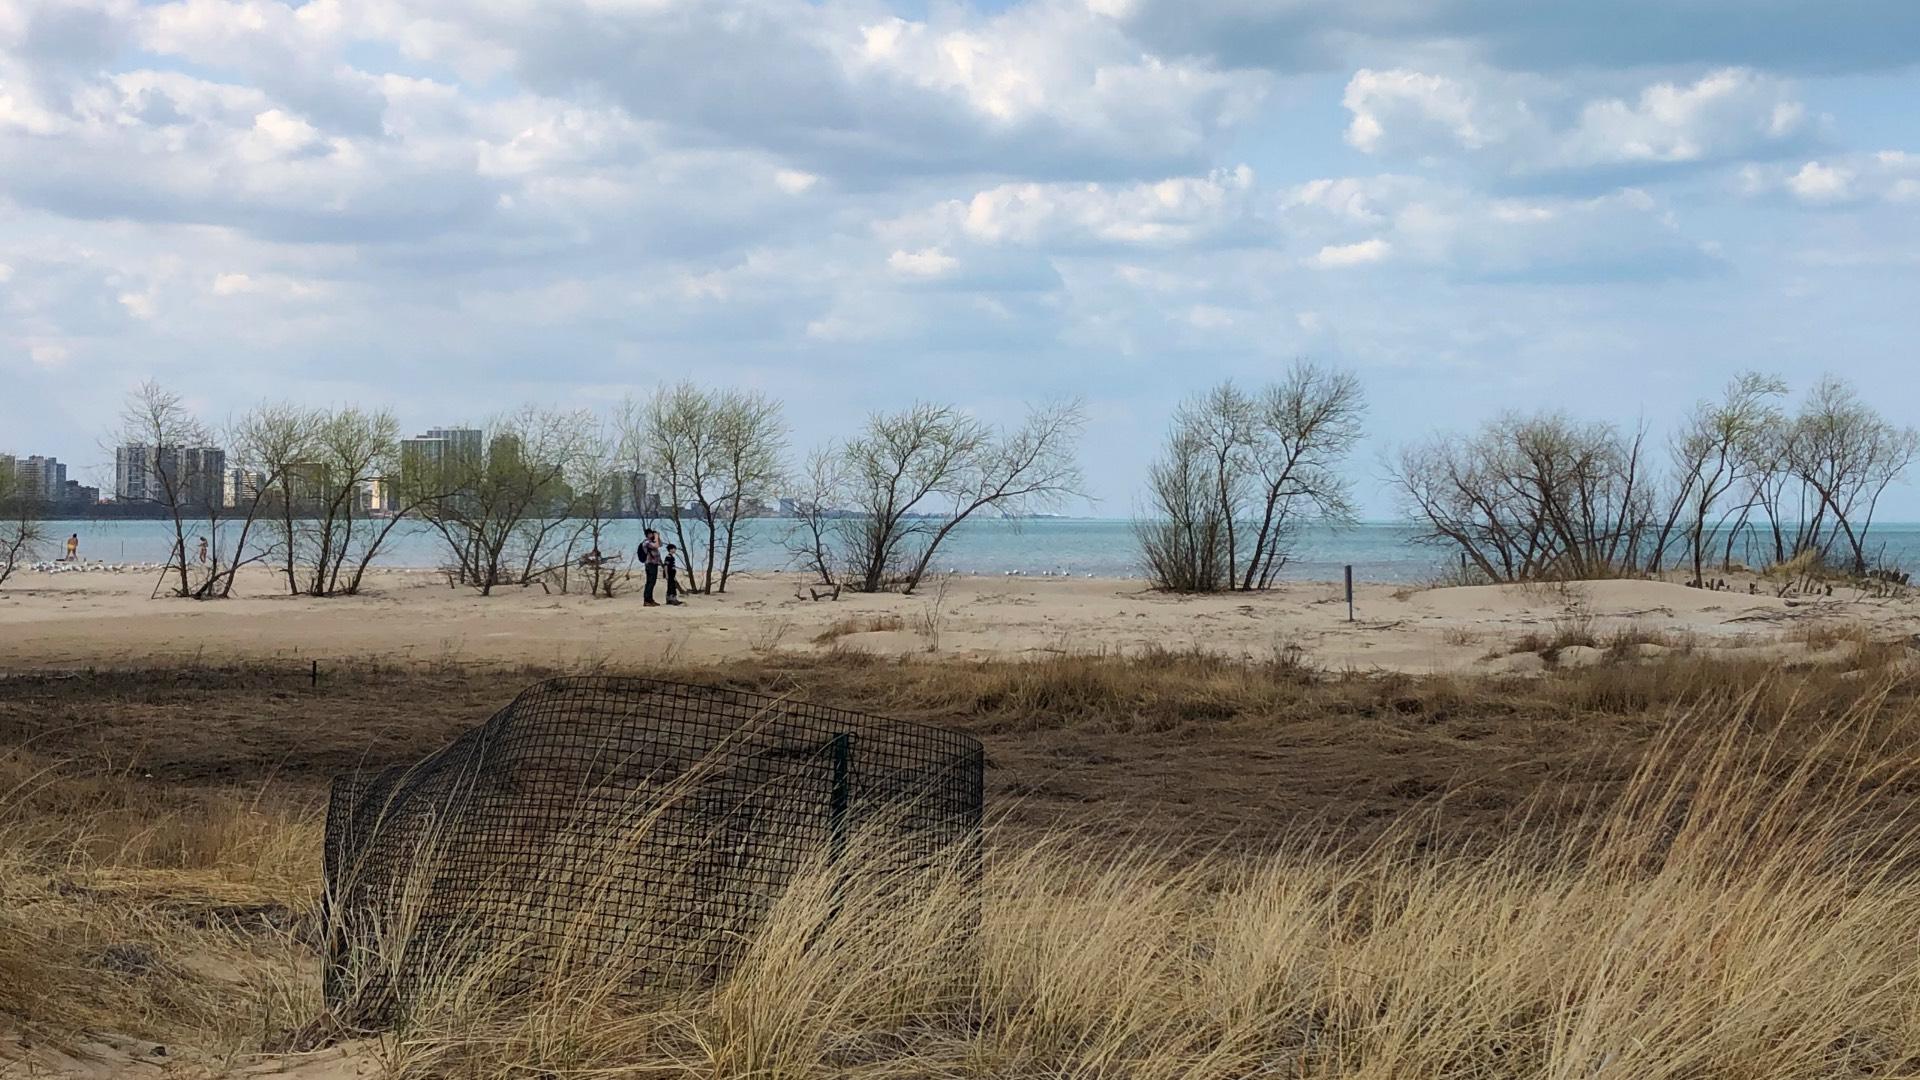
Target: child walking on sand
673,578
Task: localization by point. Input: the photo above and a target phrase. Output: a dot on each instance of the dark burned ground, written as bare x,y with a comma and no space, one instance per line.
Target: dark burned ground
1176,755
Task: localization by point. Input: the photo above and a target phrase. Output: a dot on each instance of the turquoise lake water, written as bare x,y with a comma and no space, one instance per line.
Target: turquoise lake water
1078,546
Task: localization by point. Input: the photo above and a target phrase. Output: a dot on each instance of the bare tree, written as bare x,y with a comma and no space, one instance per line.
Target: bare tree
156,424
318,470
1792,526
812,539
1714,456
752,444
718,455
353,452
1532,497
910,478
1029,466
1303,429
1241,472
250,501
600,491
899,462
1184,537
275,441
1847,454
507,513
21,533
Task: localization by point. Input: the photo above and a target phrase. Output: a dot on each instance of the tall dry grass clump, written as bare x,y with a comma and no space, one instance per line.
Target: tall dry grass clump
124,909
1746,909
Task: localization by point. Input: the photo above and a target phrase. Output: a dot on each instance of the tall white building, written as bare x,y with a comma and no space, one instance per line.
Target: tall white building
195,476
41,477
241,487
133,468
432,462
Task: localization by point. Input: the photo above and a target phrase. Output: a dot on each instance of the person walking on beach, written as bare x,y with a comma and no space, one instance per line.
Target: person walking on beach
649,555
203,551
73,548
673,578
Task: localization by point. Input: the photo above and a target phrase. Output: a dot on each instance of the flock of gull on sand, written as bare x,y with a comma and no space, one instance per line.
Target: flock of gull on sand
61,566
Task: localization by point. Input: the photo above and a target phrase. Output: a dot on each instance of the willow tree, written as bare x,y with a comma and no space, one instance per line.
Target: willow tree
717,455
1847,455
1715,457
506,515
896,491
1533,496
1241,472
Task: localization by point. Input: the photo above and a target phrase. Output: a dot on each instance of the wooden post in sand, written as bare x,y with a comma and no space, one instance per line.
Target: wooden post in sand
1349,592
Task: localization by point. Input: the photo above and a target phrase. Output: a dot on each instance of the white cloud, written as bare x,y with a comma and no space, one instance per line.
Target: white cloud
48,355
1210,317
927,263
793,181
1724,115
1523,124
140,305
1819,183
276,134
1410,110
1847,180
1046,89
1411,223
1221,207
278,286
1335,256
231,284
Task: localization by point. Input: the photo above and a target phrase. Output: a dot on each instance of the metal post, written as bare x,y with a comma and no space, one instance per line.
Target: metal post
1349,592
842,748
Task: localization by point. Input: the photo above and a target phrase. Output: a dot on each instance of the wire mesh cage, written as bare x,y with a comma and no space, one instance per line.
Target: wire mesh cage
621,824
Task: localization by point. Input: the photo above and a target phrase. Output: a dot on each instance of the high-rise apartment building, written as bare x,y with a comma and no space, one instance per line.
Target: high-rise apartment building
203,471
432,463
242,487
133,480
625,492
40,477
462,444
194,478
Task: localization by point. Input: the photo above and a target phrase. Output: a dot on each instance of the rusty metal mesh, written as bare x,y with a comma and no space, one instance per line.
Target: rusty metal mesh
621,821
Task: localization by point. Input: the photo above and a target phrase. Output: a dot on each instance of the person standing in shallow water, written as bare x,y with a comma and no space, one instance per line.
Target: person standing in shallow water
73,548
673,578
649,555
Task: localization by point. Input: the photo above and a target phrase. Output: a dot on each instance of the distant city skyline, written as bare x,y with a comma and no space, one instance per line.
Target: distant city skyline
848,204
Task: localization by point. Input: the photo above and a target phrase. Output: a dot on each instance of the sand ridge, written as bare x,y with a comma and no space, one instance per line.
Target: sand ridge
107,619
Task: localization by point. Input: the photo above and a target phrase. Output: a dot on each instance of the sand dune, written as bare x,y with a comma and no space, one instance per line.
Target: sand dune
80,619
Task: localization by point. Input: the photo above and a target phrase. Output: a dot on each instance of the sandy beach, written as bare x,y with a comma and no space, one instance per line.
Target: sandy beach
87,618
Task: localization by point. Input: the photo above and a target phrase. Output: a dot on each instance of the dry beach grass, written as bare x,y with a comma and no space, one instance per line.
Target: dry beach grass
1688,868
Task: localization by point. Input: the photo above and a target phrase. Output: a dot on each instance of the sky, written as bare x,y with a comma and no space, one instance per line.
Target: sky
453,207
